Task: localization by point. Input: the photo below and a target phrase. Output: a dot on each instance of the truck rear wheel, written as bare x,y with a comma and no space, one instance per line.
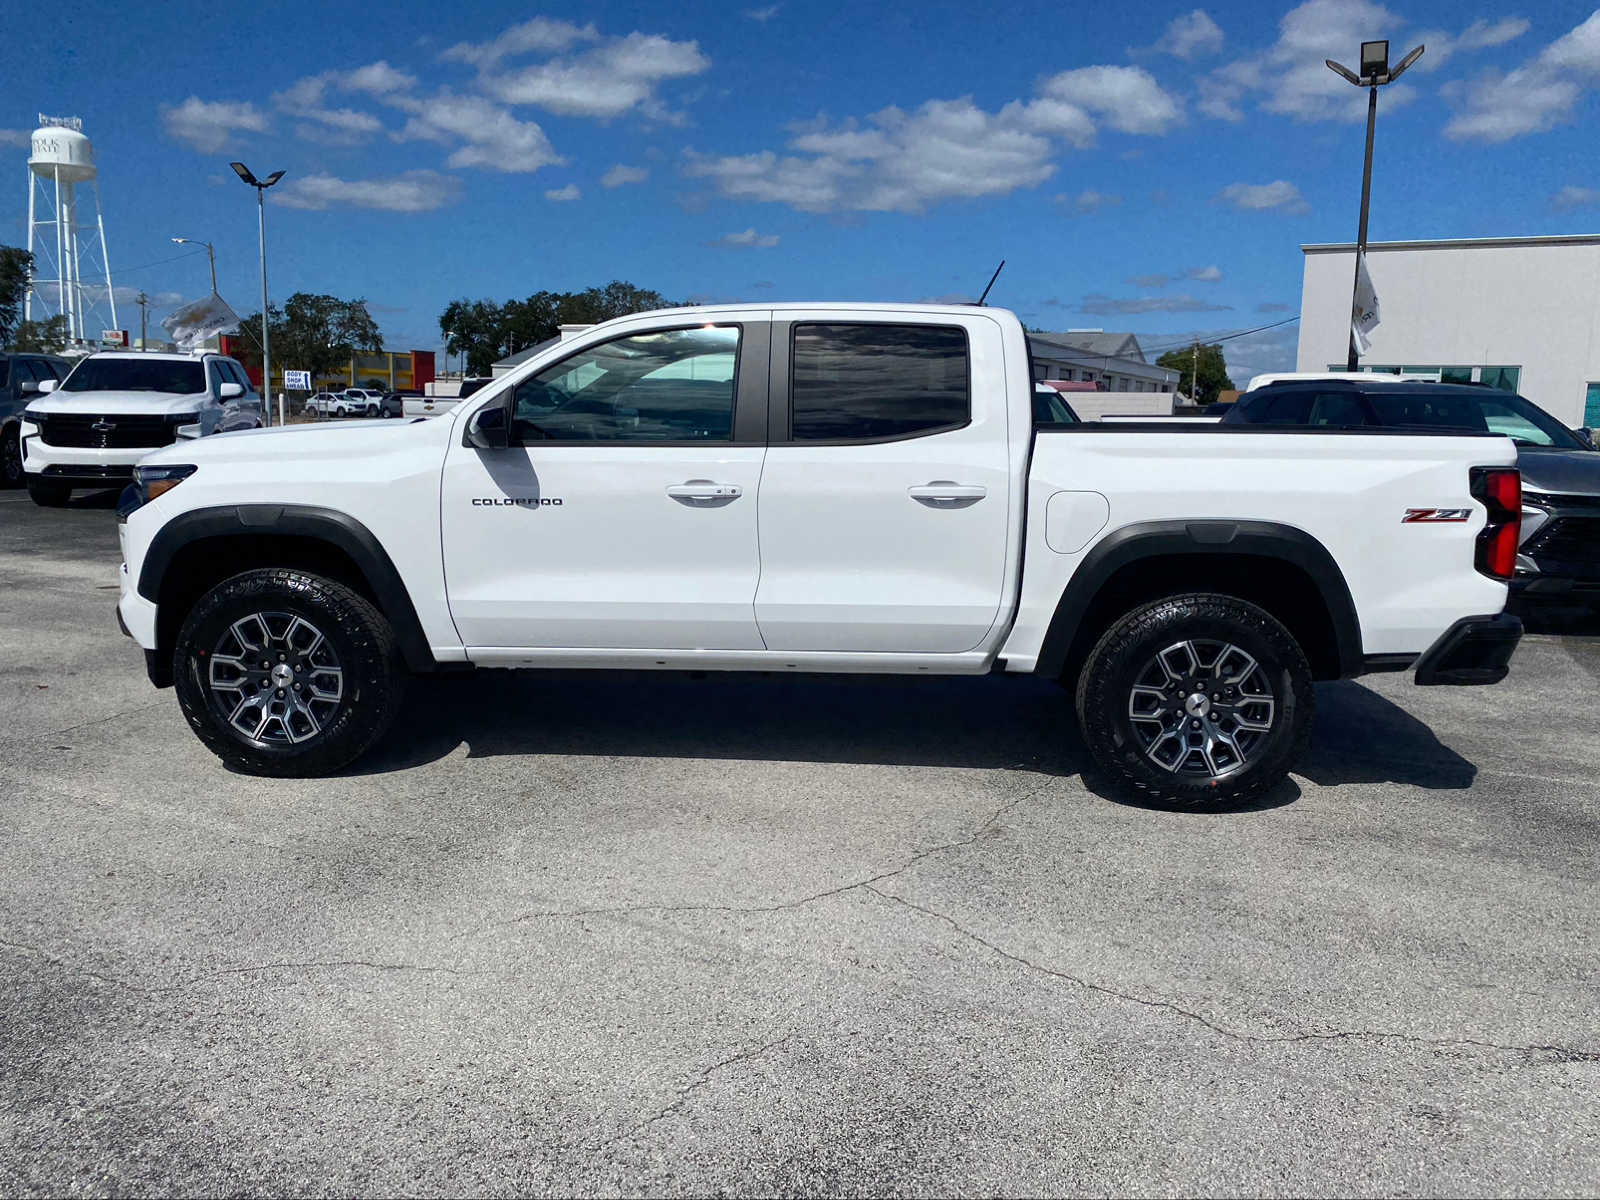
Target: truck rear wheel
1197,701
285,673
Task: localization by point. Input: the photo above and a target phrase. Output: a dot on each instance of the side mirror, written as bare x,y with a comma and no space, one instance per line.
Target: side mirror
28,388
1588,435
489,428
48,385
232,391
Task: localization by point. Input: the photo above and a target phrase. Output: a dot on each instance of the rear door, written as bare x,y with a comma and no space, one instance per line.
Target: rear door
624,514
884,499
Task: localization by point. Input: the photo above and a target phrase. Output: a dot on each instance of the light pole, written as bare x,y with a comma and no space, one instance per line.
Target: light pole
1375,73
261,186
211,253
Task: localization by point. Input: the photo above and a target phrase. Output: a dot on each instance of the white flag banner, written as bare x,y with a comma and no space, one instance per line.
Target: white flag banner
191,324
1364,308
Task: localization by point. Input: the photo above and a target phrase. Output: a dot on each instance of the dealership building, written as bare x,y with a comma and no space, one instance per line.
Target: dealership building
1522,314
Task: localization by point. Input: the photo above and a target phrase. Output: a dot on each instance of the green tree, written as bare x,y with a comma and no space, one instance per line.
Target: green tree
41,337
15,265
313,333
485,332
1212,368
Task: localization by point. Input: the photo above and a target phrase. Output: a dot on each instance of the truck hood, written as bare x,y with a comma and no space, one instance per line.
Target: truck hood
1560,472
142,404
296,443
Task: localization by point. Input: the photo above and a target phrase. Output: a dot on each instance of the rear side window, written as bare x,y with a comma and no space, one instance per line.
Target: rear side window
1276,408
1420,407
875,382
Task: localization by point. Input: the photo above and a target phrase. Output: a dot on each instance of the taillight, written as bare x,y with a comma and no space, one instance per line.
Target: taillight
1499,489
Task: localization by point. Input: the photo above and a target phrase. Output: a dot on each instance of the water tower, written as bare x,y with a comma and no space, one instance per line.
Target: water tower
63,245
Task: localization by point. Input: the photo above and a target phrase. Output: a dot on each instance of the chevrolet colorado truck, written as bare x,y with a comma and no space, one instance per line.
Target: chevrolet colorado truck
824,487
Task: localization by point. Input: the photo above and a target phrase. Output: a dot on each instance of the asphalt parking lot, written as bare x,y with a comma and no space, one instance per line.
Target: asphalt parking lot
652,934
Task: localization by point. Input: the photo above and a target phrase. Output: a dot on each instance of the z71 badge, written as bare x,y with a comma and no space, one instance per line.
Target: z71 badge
1433,515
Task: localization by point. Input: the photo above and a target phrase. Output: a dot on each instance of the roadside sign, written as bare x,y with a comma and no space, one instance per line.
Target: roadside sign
297,379
113,337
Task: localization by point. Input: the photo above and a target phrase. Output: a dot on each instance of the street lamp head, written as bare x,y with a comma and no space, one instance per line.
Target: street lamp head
180,241
272,179
1374,59
243,172
1342,71
1404,63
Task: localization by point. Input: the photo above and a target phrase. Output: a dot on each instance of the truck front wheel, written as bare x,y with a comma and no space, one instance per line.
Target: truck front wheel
1197,701
283,673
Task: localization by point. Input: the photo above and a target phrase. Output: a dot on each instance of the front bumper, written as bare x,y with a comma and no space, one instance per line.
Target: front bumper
1473,651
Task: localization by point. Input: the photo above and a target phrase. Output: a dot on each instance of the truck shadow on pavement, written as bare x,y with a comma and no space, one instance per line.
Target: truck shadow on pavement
984,723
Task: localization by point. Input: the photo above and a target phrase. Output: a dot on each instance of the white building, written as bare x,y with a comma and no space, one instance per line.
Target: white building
1522,314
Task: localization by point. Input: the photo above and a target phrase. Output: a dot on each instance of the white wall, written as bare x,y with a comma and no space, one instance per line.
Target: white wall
1091,406
1533,306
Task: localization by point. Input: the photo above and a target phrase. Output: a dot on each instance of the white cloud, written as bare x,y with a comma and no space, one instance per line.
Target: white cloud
1280,194
562,195
1098,305
1190,35
492,137
763,15
897,162
1539,95
378,78
305,98
1127,98
1571,197
1578,50
408,192
542,34
617,76
1480,35
14,137
622,174
210,125
1211,274
1089,200
749,239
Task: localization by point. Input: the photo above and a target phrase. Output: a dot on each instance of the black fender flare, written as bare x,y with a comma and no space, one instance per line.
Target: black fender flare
1159,539
297,520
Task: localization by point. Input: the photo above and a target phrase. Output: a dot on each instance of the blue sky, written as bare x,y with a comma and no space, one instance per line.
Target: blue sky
1143,167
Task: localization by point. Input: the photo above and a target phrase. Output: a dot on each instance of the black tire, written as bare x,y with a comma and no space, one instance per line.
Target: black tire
48,495
1191,746
300,732
11,456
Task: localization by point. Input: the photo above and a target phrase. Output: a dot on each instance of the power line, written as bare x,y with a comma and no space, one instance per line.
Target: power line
1228,337
159,262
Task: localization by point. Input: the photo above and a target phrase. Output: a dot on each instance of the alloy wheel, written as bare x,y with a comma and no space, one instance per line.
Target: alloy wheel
1202,708
275,678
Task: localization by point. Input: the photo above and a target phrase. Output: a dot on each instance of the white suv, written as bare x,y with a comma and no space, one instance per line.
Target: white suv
115,408
362,402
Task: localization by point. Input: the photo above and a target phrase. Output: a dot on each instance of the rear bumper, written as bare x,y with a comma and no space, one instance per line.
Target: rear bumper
1475,650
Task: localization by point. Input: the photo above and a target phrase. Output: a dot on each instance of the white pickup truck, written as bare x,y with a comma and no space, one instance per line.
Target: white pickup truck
824,487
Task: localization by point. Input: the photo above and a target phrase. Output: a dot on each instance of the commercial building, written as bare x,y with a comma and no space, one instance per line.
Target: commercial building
384,371
1517,313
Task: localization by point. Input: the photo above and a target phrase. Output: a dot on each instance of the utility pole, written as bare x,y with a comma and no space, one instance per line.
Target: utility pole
1194,373
144,322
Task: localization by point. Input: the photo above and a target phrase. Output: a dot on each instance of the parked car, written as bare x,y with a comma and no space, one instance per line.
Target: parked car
1050,407
1560,551
20,377
114,408
361,402
429,406
323,404
597,507
394,403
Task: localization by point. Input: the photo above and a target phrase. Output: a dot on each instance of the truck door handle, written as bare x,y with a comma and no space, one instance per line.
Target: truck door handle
705,493
944,493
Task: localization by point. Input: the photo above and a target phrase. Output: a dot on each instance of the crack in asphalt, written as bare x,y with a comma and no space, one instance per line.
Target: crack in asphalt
623,910
675,1106
1555,1054
127,712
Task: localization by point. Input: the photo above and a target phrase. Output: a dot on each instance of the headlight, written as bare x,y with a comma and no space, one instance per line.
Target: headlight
155,481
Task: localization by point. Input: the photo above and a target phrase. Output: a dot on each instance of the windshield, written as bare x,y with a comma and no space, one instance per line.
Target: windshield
1524,423
136,375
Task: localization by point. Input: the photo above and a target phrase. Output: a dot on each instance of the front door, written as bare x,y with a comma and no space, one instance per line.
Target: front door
623,515
885,499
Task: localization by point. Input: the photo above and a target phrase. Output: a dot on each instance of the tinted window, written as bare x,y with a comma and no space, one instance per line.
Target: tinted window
1050,409
1422,407
136,375
1338,408
673,386
1275,406
5,371
878,381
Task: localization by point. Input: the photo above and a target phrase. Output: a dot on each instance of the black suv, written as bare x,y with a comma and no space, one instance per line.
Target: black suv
20,377
1560,551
